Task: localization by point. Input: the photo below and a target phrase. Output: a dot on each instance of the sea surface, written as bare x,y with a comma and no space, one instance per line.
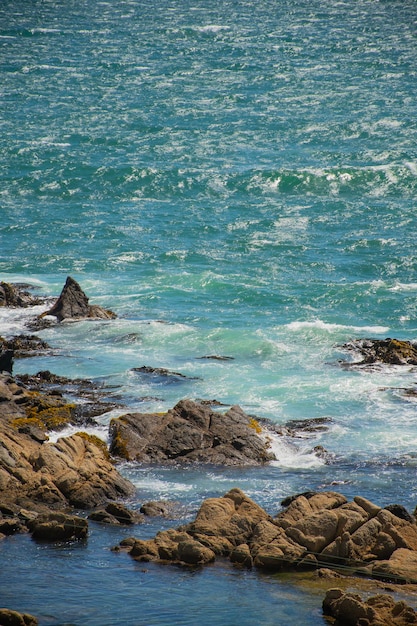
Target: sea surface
234,179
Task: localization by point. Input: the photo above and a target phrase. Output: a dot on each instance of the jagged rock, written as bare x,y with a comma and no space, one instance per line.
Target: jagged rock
190,432
16,296
24,345
350,610
391,351
73,304
13,618
74,471
58,527
315,530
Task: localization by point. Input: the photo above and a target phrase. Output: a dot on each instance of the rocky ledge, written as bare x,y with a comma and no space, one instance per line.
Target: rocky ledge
190,432
379,351
38,476
314,530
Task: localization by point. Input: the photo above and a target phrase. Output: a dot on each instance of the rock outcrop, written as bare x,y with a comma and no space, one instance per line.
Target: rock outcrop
349,609
73,304
17,296
314,530
190,432
75,471
390,351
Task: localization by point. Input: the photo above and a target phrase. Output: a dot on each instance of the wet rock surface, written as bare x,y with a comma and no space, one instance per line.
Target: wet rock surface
75,471
190,432
315,530
350,609
378,351
73,304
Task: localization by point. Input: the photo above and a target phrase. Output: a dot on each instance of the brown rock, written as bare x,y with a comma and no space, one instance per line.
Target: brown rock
73,304
13,618
401,567
350,610
33,472
315,529
58,527
16,296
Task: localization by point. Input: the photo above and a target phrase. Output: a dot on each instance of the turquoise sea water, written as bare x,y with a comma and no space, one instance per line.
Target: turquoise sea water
234,179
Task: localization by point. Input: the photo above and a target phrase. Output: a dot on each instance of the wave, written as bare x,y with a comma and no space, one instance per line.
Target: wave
332,328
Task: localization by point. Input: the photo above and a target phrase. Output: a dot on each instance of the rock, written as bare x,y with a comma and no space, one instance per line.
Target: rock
190,432
79,470
17,296
350,610
34,473
6,361
401,567
157,509
116,513
316,530
401,512
24,345
73,304
13,618
58,527
161,374
390,351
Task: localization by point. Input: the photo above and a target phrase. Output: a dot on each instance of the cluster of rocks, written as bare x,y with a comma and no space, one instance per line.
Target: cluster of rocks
314,530
75,471
377,351
42,482
349,609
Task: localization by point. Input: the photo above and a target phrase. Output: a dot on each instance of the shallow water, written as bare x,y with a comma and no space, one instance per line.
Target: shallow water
233,179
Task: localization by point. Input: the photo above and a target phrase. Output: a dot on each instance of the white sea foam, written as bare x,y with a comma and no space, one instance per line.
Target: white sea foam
289,455
333,328
99,431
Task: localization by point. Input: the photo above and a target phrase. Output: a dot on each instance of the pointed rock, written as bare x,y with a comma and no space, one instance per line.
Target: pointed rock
73,304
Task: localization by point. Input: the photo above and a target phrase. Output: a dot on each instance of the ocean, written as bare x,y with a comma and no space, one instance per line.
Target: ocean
234,179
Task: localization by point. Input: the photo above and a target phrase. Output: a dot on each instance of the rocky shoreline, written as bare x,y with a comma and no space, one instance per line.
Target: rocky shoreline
50,489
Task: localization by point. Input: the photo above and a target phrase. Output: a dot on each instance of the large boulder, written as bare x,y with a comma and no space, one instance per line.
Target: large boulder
58,526
315,529
190,432
73,304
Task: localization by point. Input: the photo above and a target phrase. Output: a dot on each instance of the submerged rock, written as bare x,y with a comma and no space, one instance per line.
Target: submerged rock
73,304
190,432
